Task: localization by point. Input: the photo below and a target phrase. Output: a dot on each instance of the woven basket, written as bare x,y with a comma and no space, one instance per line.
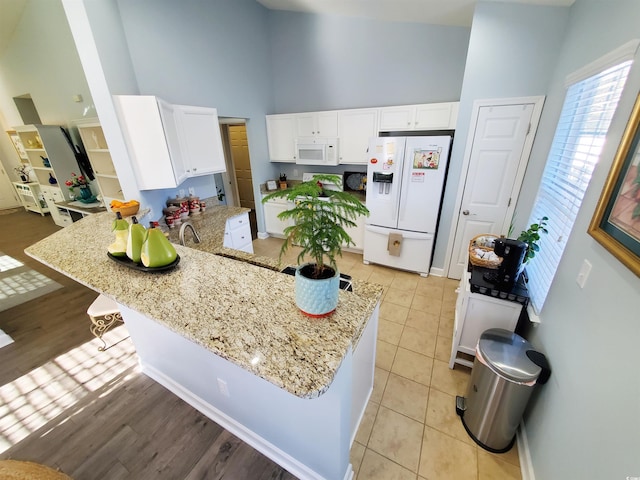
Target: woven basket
483,242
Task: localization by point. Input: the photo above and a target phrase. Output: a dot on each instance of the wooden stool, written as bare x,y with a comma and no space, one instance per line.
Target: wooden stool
104,314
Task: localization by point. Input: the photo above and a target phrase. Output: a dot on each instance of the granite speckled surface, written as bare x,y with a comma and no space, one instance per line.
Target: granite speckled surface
239,311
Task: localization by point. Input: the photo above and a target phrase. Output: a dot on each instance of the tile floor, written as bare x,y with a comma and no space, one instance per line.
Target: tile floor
410,429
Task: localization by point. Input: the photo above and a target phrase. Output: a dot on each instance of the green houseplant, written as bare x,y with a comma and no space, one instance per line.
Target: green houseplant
531,237
319,220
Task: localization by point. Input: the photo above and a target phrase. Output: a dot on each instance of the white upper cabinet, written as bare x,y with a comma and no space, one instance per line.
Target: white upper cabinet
281,135
317,124
167,142
200,139
355,128
431,116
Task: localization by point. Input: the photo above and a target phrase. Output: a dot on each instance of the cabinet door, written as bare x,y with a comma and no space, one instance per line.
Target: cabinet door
397,118
327,124
484,312
169,115
355,128
305,124
143,129
317,124
357,233
201,140
273,224
281,131
433,116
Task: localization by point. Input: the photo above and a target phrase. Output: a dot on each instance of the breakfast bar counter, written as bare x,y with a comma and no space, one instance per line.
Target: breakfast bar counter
226,336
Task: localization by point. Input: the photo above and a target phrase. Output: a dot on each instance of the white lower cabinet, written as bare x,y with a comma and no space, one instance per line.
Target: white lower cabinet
357,234
237,233
272,209
474,314
31,197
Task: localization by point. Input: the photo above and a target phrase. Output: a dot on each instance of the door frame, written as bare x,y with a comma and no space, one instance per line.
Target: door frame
538,102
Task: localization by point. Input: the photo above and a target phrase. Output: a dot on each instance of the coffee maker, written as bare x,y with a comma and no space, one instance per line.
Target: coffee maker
512,253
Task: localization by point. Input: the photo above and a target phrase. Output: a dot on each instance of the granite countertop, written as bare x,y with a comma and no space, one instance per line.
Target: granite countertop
235,309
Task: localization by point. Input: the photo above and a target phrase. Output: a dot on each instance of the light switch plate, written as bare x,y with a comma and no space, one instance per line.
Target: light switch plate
583,274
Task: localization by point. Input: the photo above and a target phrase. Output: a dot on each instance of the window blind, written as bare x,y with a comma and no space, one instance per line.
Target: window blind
587,112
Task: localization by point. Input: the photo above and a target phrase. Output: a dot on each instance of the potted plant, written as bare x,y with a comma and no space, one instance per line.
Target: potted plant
531,237
319,217
23,172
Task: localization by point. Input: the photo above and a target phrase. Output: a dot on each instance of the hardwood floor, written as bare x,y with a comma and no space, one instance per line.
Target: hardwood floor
90,413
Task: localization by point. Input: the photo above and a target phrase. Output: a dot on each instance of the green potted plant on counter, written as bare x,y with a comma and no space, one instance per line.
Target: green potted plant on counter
531,236
320,217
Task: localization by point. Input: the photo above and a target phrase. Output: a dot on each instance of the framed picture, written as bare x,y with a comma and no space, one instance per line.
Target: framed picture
17,144
271,185
616,220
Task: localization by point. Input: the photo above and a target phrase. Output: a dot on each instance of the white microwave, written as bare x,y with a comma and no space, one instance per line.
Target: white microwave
317,151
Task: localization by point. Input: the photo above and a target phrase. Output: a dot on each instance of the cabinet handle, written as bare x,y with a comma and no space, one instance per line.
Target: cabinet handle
195,169
465,212
408,124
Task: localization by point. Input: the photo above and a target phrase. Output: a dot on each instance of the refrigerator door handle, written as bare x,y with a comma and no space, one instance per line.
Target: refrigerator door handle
405,233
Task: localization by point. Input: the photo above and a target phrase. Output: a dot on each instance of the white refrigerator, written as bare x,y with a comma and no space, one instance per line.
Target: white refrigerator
405,184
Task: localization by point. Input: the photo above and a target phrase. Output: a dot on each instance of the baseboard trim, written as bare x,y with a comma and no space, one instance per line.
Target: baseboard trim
436,272
524,454
265,447
263,235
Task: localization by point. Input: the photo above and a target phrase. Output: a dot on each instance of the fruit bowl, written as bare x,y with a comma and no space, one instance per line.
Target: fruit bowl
138,266
126,209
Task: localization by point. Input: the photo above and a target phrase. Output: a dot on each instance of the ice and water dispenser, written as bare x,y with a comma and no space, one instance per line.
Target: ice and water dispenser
383,182
505,372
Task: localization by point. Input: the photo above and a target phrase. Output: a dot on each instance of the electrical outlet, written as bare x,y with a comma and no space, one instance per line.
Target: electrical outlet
181,192
192,191
222,386
583,274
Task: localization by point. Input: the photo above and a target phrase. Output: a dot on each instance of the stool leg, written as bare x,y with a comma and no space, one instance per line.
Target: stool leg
101,325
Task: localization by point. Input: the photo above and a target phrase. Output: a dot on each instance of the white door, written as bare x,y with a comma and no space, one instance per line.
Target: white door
497,153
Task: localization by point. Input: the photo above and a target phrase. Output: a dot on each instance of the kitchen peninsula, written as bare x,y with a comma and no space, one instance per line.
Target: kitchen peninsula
224,335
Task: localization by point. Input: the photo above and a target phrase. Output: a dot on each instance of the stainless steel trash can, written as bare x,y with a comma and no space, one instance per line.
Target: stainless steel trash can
505,372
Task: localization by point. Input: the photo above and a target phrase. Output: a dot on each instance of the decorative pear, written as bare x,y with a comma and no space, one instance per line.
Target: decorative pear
157,250
136,236
121,229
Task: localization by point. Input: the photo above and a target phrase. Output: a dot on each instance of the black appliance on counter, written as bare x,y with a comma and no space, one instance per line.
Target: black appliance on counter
508,273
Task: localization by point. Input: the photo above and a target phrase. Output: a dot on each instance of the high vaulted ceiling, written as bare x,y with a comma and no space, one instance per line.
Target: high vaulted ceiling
438,12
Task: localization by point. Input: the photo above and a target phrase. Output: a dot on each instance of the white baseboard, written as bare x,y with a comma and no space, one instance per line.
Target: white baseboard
524,455
265,447
263,235
436,272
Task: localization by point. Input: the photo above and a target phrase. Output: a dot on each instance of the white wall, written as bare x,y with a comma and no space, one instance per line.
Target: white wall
584,423
40,60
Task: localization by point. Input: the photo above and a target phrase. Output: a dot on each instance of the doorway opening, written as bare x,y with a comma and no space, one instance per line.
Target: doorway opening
236,187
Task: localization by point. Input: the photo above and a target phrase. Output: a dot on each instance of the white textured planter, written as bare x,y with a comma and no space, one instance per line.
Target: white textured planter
317,298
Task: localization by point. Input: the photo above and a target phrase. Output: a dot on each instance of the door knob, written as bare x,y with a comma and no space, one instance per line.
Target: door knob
465,212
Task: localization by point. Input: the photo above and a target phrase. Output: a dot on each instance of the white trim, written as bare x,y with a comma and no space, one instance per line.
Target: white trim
263,235
622,53
265,447
524,454
538,102
436,272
